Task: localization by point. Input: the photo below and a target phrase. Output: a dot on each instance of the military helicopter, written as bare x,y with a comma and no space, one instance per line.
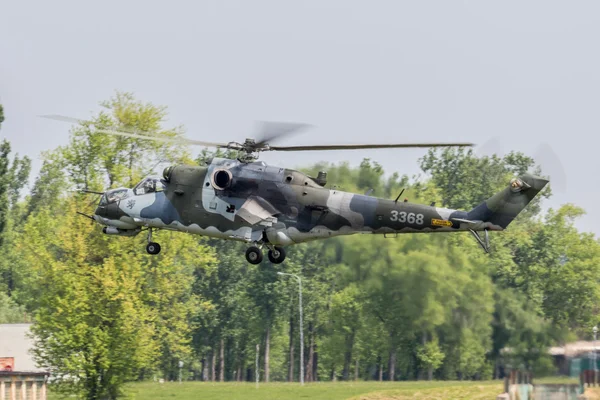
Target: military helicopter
266,206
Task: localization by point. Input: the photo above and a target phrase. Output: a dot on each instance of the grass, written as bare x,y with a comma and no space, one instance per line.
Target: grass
592,393
317,391
463,392
564,380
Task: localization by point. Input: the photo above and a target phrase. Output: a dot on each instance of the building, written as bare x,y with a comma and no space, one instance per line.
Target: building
574,357
21,378
570,359
15,343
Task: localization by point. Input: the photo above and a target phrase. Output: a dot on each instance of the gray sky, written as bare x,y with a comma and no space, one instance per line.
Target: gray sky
525,73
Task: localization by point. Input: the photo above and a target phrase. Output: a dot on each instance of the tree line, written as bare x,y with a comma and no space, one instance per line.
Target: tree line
416,306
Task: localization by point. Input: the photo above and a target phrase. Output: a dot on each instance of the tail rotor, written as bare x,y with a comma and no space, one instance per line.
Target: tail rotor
544,157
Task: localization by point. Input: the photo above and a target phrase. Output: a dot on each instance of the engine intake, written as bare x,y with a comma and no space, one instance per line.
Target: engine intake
221,179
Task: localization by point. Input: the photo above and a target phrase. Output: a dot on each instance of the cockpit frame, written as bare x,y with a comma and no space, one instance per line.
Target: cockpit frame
149,185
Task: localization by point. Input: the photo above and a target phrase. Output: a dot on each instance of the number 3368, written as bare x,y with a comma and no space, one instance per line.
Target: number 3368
411,218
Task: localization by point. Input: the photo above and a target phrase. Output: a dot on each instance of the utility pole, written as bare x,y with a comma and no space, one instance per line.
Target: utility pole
180,366
301,326
256,372
595,330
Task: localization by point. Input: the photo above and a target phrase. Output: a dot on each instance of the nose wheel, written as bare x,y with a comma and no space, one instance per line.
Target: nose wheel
152,247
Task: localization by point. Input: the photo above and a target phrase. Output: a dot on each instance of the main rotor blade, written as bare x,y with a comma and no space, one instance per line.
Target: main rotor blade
83,122
164,139
366,146
268,131
149,136
64,119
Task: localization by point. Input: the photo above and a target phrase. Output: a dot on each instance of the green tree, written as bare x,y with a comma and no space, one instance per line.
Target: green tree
49,186
418,306
91,328
369,176
105,312
13,178
96,159
10,312
430,356
466,180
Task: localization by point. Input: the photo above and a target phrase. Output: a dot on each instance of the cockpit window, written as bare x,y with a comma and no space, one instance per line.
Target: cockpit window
149,185
113,195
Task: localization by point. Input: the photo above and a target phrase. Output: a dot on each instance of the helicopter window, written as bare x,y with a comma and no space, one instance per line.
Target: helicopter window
115,195
149,185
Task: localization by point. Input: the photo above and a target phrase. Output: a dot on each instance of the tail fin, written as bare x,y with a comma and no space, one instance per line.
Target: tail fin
503,207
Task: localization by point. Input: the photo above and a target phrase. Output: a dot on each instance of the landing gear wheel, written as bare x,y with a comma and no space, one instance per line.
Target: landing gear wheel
153,248
254,255
277,255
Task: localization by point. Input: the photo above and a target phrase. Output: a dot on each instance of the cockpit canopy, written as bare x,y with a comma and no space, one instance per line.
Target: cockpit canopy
114,195
149,185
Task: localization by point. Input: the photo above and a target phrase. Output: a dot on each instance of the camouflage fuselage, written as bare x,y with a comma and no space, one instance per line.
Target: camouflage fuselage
255,202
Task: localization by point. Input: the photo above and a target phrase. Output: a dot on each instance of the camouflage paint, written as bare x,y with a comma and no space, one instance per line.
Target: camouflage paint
282,206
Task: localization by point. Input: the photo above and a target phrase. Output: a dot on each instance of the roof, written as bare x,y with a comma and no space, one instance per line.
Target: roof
15,343
574,349
24,373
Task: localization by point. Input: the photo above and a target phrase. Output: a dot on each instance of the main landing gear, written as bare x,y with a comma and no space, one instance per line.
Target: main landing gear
254,255
152,247
276,254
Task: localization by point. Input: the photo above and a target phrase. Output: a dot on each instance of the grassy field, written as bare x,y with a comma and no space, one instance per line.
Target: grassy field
317,391
592,393
556,380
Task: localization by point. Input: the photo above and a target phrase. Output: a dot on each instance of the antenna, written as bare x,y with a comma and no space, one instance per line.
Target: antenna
397,198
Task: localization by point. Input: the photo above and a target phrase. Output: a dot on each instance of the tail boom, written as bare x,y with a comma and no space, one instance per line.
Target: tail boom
501,209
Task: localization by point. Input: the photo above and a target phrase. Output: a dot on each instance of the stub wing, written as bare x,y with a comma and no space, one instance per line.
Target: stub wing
257,210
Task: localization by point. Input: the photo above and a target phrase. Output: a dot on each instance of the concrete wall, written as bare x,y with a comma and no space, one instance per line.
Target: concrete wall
15,343
23,386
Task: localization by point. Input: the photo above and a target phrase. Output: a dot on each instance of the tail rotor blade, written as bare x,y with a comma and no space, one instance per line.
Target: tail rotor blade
490,148
550,164
544,157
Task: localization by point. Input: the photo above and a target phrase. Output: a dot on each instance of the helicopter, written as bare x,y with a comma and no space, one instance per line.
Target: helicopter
265,206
